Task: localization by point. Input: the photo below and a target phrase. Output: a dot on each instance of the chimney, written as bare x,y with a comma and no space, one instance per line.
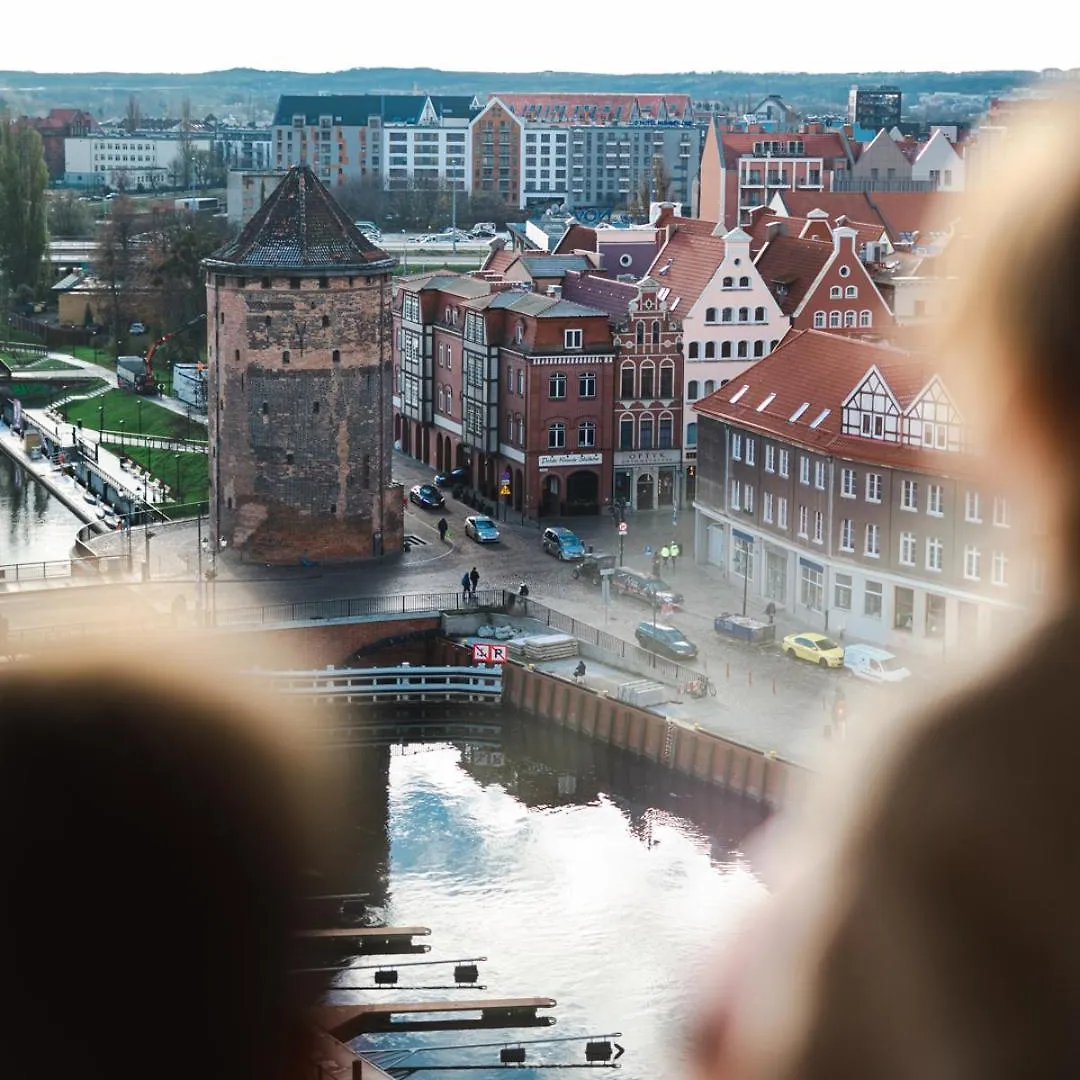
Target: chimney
555,291
773,229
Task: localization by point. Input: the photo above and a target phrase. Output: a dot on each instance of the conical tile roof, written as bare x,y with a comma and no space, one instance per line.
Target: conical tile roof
301,228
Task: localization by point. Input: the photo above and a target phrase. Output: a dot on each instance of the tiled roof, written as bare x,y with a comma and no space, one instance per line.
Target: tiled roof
793,263
300,227
913,212
818,370
577,108
566,309
761,216
685,265
576,238
352,110
499,261
737,144
446,282
553,266
603,293
851,204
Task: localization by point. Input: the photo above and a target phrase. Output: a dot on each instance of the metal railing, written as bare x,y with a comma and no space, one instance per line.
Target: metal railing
57,568
396,684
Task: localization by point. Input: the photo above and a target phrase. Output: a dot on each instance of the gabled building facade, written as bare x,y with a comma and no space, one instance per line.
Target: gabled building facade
497,141
840,478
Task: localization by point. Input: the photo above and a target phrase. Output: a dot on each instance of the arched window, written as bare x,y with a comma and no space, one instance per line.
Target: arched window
834,318
710,315
645,431
725,350
851,292
626,380
729,283
667,380
691,434
626,431
759,348
440,399
656,332
836,292
640,333
710,350
725,315
849,318
665,431
648,381
819,320
759,314
692,390
866,318
556,435
694,351
744,314
741,352
710,387
744,283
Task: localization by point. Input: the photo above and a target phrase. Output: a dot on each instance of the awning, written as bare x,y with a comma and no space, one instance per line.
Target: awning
811,565
746,537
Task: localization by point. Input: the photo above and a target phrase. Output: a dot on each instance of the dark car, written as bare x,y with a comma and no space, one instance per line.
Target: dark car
426,496
462,475
589,569
660,638
648,590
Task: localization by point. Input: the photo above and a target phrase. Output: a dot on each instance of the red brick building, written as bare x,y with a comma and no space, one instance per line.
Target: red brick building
59,125
496,152
515,386
299,384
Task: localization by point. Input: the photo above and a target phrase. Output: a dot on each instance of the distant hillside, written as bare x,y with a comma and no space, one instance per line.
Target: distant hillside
251,94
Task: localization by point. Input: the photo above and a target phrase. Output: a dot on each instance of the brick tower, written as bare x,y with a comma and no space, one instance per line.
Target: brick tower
299,384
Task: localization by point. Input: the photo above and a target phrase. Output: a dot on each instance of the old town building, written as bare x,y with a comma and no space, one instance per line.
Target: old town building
514,386
839,477
299,384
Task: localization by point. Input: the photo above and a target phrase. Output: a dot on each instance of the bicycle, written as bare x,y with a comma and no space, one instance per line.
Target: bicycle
700,687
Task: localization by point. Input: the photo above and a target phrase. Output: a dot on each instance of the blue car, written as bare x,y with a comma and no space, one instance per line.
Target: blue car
425,495
462,475
482,529
563,544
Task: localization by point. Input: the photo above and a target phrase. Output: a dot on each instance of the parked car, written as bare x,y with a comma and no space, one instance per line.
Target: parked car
136,328
483,228
461,475
427,496
815,648
660,638
563,544
642,587
482,529
590,567
874,664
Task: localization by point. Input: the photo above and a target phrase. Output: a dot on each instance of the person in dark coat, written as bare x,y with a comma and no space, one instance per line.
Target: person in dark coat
466,585
443,528
474,577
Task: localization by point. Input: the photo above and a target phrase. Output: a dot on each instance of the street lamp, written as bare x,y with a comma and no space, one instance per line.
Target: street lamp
138,406
177,493
101,420
120,423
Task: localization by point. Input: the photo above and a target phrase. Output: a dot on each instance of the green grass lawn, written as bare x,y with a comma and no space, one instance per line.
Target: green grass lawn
194,472
41,395
119,405
37,363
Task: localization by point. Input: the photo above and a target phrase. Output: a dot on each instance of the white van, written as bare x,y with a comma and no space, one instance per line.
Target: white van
876,665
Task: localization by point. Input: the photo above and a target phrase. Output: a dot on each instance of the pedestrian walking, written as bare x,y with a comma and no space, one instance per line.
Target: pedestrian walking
466,585
656,565
443,528
523,597
770,611
474,577
665,556
673,548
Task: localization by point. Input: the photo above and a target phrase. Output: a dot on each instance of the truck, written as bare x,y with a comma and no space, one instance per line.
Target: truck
136,373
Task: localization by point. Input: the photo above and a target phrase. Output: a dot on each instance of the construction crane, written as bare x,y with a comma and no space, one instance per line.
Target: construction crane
140,376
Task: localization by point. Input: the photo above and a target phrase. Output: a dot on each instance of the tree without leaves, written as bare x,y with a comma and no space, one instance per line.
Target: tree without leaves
24,180
115,264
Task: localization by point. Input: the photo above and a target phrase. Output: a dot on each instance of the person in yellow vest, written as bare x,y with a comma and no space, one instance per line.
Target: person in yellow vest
665,556
673,548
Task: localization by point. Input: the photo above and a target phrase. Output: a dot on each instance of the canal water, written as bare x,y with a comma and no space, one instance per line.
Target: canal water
582,874
34,526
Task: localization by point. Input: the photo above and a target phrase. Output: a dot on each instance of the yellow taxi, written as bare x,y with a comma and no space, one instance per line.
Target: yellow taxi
817,648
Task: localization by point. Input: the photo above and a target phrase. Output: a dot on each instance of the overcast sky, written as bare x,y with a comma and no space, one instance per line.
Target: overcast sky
624,37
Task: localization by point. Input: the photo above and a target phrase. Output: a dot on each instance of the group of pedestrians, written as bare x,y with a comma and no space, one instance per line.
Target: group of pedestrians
665,558
468,584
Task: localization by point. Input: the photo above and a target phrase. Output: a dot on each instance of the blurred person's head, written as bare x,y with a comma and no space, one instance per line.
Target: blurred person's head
155,815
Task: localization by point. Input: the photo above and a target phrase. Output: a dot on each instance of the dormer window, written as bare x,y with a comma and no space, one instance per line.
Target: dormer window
836,292
729,283
744,283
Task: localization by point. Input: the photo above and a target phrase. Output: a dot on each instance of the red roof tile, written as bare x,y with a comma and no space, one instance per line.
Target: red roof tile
498,262
794,264
916,211
576,238
685,265
855,205
761,216
817,370
737,144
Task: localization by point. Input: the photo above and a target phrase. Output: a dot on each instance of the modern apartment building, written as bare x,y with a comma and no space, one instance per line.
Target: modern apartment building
839,477
874,107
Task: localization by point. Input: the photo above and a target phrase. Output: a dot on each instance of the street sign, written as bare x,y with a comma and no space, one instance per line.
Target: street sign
623,528
488,654
504,489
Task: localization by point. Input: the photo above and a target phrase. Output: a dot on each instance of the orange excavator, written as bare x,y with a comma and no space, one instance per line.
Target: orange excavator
140,376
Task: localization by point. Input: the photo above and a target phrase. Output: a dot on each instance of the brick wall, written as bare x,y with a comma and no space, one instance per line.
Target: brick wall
300,418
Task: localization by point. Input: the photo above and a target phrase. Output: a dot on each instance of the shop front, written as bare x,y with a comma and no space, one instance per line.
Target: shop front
647,479
570,484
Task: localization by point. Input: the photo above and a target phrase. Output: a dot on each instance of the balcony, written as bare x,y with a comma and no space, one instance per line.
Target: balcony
752,180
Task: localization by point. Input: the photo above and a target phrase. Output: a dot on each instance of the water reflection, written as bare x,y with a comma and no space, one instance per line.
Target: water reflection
33,525
580,873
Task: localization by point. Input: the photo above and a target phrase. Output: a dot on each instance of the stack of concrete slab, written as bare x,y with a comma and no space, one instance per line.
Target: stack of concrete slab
642,692
538,648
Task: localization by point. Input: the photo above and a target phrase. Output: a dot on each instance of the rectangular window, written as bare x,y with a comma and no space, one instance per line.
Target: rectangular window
972,563
847,535
804,469
999,569
819,475
626,383
785,458
934,552
587,384
873,487
847,483
521,381
872,546
819,527
907,548
935,500
842,591
909,495
971,507
804,521
557,385
646,439
770,457
811,587
767,507
781,512
1001,512
626,433
736,446
572,339
736,495
750,451
748,498
873,593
